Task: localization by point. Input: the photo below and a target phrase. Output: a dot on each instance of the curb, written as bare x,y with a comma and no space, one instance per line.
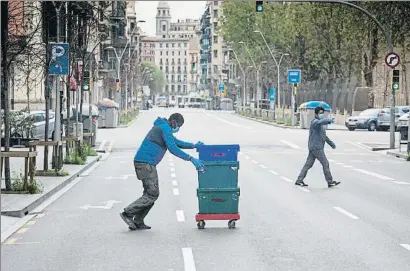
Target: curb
131,123
397,154
280,125
25,211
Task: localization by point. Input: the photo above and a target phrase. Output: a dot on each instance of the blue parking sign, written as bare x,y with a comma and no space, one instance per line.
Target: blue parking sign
294,76
59,59
221,87
272,94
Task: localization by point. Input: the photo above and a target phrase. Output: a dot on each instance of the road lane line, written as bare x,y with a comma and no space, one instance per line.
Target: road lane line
102,144
286,179
262,166
173,175
340,164
172,169
171,164
356,161
174,183
343,211
180,216
254,161
347,166
175,191
22,230
247,157
332,161
374,174
273,172
404,183
406,246
189,262
303,189
290,144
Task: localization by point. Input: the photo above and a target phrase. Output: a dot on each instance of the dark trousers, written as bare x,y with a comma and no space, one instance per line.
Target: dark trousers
313,155
149,177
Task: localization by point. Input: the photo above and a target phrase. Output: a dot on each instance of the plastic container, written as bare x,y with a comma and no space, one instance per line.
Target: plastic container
218,201
218,152
219,174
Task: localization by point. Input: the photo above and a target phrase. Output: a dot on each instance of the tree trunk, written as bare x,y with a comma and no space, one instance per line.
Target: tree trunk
27,83
5,90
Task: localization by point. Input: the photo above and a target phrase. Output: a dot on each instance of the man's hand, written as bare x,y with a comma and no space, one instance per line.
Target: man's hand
199,143
333,145
332,120
197,163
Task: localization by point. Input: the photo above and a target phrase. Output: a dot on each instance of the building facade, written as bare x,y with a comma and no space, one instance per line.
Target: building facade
172,52
147,49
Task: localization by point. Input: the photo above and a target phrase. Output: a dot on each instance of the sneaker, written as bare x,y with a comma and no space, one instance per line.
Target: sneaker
332,183
142,226
127,219
300,183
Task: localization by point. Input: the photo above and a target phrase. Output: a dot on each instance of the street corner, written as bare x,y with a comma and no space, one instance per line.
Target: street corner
399,154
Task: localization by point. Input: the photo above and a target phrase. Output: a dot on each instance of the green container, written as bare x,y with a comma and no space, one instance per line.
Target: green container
218,201
219,174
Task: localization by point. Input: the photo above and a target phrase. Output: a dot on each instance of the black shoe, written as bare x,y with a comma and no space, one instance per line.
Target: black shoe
142,226
127,219
333,183
301,183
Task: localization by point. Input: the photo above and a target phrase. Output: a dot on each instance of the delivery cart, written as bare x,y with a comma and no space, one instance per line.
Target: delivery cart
218,192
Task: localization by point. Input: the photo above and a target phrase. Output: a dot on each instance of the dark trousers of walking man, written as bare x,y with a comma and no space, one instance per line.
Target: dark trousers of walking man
312,156
140,208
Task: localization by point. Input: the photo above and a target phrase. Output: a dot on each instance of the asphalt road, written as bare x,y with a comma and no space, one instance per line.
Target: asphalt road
363,224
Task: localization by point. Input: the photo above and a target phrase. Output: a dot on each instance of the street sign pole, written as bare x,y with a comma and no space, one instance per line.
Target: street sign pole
295,78
392,60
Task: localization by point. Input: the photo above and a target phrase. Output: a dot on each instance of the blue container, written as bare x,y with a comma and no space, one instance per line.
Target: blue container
218,152
219,174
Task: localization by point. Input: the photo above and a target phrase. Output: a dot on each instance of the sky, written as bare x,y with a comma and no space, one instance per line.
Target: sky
147,10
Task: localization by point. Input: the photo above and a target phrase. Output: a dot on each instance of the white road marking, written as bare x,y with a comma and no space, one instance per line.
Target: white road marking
343,211
175,191
174,183
247,157
340,164
173,175
356,161
303,189
406,246
286,179
262,166
101,147
171,164
180,216
290,144
254,161
240,153
374,174
273,172
347,166
228,122
332,161
172,169
189,263
404,183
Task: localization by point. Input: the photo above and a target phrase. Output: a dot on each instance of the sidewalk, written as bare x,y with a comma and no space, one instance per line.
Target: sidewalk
399,154
337,127
19,205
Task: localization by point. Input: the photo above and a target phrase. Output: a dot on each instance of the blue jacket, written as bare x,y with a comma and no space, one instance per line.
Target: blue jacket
317,135
158,140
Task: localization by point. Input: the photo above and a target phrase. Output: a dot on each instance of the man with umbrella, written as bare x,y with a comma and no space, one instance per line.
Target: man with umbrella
316,145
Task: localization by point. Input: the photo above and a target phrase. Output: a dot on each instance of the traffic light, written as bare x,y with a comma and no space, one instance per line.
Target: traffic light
86,80
259,6
396,79
193,67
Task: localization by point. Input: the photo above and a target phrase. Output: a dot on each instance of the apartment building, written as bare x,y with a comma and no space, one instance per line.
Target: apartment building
172,51
147,49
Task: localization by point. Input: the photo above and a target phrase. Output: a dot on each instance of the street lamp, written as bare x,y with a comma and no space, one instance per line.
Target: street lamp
277,63
257,72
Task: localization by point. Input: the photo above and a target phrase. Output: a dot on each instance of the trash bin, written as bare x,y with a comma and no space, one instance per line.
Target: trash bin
308,112
109,115
218,191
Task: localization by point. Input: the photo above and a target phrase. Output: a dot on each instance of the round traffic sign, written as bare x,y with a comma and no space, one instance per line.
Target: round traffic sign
392,60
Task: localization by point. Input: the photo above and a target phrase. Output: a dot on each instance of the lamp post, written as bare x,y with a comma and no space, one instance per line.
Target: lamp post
276,62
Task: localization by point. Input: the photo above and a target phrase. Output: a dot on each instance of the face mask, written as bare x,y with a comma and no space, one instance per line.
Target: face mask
175,130
321,116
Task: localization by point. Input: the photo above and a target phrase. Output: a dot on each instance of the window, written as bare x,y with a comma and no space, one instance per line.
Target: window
179,69
179,53
166,45
173,88
160,45
179,45
215,3
184,88
173,78
215,38
173,45
164,27
172,53
179,88
163,12
166,88
160,67
166,53
167,77
159,12
166,69
215,53
179,78
215,26
215,13
160,53
185,44
185,52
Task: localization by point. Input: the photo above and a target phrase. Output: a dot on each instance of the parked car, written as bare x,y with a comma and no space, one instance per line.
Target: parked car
365,120
403,126
384,116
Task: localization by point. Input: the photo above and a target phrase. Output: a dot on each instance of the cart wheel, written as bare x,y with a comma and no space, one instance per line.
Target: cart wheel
201,225
231,224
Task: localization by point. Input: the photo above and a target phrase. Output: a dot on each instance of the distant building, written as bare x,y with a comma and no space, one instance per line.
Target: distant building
147,49
171,51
